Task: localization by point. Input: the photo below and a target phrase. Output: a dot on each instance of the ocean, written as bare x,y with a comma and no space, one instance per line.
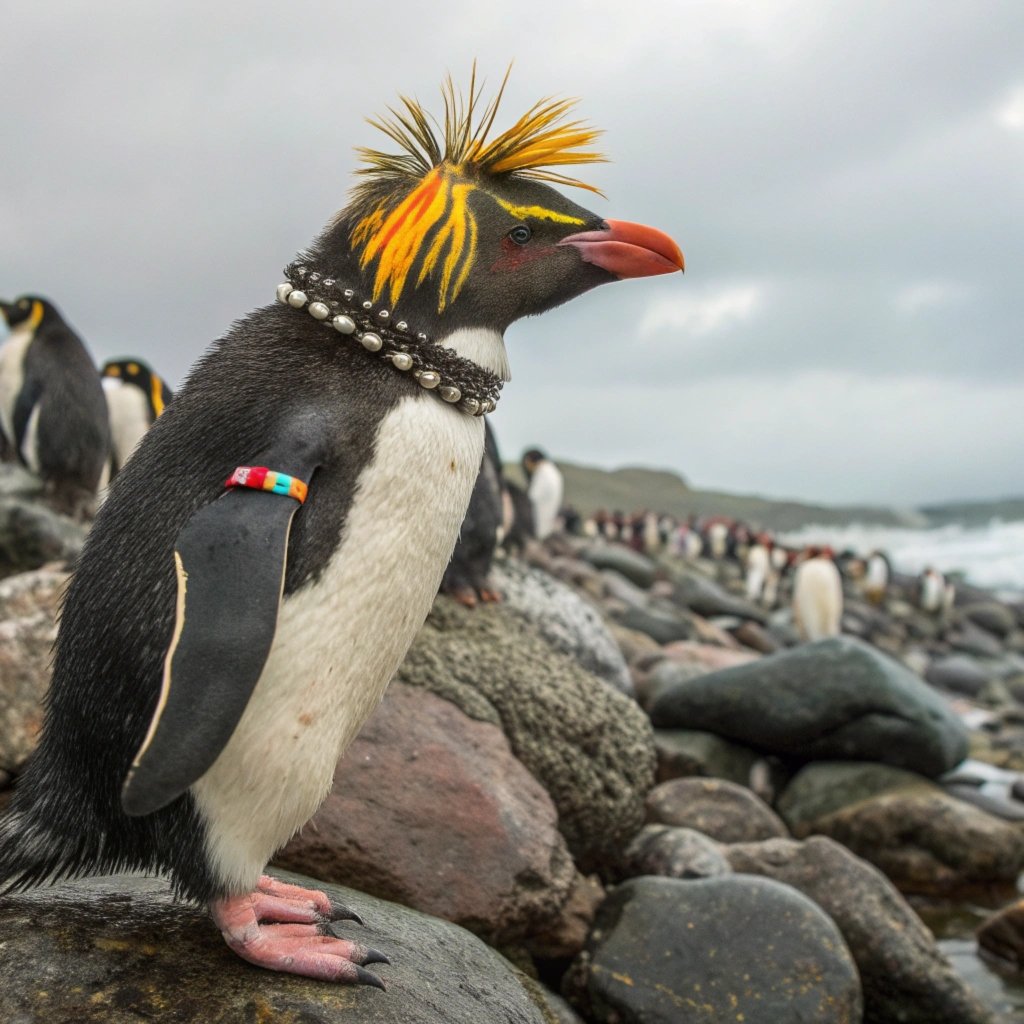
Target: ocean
990,556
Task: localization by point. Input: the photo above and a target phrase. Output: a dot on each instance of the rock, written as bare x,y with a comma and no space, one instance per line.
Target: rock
564,939
837,698
561,1012
431,809
28,611
32,534
904,975
635,567
991,616
959,673
651,957
664,674
710,657
114,950
590,746
706,598
1002,934
971,639
927,841
673,853
722,810
823,787
18,482
616,585
662,626
686,752
567,622
633,644
756,637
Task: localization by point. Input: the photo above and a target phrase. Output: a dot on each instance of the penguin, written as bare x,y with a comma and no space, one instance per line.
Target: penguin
932,590
876,577
135,397
817,597
52,413
517,522
545,488
465,579
265,558
758,564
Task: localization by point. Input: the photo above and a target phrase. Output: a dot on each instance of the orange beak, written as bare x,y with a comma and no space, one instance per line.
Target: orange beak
628,250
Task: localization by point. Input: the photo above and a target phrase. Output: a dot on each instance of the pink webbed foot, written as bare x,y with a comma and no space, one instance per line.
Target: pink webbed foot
287,928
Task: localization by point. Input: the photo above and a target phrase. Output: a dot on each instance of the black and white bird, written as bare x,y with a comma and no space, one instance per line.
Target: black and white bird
52,413
265,558
135,397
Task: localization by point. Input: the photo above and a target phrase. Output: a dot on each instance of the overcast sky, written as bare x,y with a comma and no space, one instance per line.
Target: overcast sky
846,180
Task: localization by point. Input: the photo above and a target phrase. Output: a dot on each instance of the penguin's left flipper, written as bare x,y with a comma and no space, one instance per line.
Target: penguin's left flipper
230,559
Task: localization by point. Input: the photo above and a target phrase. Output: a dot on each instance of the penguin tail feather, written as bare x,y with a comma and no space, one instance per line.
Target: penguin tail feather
30,856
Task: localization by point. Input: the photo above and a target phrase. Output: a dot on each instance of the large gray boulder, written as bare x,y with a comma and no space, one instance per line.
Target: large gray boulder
904,976
665,951
591,747
637,568
837,698
701,595
567,622
118,950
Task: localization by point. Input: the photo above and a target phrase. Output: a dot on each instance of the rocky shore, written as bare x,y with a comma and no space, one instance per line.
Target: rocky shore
624,794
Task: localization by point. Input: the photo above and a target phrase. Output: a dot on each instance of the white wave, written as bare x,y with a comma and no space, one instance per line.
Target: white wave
990,556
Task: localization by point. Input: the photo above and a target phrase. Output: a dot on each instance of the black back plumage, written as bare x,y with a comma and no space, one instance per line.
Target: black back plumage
60,385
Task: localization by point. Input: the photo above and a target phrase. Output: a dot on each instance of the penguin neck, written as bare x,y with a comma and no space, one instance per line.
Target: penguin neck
483,346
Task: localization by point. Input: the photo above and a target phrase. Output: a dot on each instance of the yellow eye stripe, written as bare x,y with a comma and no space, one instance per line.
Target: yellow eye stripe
537,213
37,315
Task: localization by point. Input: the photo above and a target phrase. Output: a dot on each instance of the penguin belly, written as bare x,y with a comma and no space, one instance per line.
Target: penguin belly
818,599
12,376
341,637
129,417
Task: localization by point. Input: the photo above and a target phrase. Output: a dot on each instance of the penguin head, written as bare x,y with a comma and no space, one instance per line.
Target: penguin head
28,310
136,372
467,232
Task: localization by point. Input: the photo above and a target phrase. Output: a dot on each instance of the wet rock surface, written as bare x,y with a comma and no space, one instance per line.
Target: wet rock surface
837,698
722,810
732,948
904,976
117,950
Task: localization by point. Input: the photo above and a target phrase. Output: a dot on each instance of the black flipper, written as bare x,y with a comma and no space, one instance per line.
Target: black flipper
230,559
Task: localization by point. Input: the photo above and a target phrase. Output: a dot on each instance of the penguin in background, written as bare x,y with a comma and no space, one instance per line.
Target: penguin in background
135,396
465,579
817,596
265,558
52,412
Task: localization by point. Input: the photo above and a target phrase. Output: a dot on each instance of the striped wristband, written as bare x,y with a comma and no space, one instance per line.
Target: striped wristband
260,478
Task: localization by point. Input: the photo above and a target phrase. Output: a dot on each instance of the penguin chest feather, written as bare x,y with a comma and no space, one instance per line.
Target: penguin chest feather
341,637
12,375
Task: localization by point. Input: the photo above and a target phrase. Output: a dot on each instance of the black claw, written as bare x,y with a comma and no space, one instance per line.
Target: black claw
339,912
375,956
366,978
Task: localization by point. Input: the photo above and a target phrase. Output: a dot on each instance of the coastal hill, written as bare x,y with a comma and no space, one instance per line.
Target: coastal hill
633,487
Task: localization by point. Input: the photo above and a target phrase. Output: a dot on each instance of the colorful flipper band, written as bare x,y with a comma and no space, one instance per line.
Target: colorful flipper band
260,478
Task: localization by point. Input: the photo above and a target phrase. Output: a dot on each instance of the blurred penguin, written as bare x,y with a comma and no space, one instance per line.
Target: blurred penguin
52,411
545,490
876,577
136,396
817,596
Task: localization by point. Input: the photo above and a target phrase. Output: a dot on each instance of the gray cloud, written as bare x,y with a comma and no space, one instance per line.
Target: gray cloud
847,192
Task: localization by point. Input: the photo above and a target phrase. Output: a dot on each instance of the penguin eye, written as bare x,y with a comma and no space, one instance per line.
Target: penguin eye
520,234
23,304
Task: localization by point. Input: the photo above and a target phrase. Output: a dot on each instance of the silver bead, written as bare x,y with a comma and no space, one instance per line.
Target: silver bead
488,405
383,314
297,299
300,271
319,310
283,291
344,324
430,378
349,294
401,326
314,278
329,282
367,305
421,336
402,360
371,342
449,393
470,405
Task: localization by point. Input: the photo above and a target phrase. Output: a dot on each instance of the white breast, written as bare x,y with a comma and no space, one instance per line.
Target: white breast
12,375
128,409
341,639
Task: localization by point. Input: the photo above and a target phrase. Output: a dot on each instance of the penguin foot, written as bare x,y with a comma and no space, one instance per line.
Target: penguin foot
327,909
490,596
465,596
282,931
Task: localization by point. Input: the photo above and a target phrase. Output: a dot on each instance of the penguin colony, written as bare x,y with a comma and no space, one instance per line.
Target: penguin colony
53,416
220,646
